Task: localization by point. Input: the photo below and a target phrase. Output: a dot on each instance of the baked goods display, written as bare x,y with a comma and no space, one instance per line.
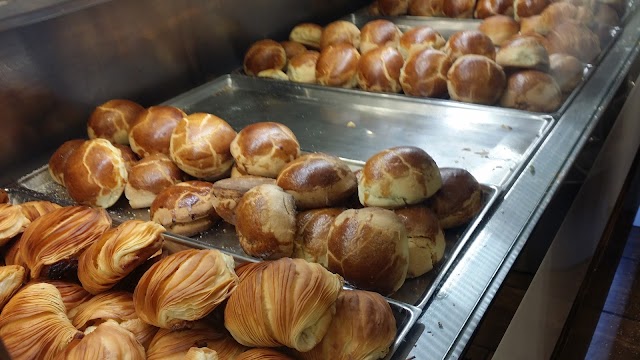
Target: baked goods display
379,70
531,90
337,66
148,177
378,33
228,192
459,199
151,132
524,52
476,79
263,55
113,119
425,73
418,38
425,238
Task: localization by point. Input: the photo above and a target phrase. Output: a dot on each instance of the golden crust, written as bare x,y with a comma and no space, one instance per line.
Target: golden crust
109,340
148,177
34,209
459,199
228,192
72,294
58,161
312,234
263,354
112,120
151,131
11,279
12,222
426,239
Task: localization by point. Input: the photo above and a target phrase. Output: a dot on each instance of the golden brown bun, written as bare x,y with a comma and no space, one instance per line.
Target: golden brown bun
12,222
363,328
263,354
288,302
533,25
236,172
426,239
393,7
379,70
174,345
476,79
33,324
379,33
117,253
459,200
266,222
340,32
468,42
113,119
262,55
58,161
151,132
273,74
302,67
541,39
369,248
200,146
460,9
148,177
129,157
337,66
567,70
487,8
307,34
524,52
52,243
425,73
185,208
526,8
418,38
184,287
311,235
426,8
11,279
373,9
317,180
292,48
397,177
574,39
109,340
499,28
95,174
264,148
228,192
532,90
72,294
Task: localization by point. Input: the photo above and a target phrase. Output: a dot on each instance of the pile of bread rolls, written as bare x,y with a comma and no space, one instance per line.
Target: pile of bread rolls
74,287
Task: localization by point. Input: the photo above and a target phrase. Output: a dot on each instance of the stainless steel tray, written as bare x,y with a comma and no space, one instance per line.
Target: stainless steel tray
406,315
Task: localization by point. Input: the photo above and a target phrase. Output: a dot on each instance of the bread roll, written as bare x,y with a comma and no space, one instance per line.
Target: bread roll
605,15
95,174
541,39
228,192
340,32
200,146
469,42
264,148
379,33
262,55
185,208
418,38
425,73
431,8
236,172
286,302
373,9
397,177
379,70
488,8
113,119
58,161
499,28
312,234
567,70
52,243
11,279
369,248
273,74
128,155
109,340
148,177
184,287
307,34
460,9
174,345
532,90
526,8
12,222
426,239
523,52
262,354
337,66
476,79
574,39
266,222
459,200
317,180
363,328
393,7
302,67
152,131
292,48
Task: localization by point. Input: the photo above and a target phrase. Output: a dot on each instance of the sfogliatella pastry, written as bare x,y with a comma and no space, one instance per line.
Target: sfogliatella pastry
34,209
95,173
337,66
340,32
12,222
200,146
286,302
118,252
369,248
72,293
397,177
363,328
425,73
58,161
266,222
33,324
11,279
307,34
263,55
532,90
312,234
185,208
418,38
228,192
378,33
459,200
108,340
264,148
263,354
201,353
318,180
426,239
50,246
113,119
379,70
302,67
148,177
184,287
151,133
476,79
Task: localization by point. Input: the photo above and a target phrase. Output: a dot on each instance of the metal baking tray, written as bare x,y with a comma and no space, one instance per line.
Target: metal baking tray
406,315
